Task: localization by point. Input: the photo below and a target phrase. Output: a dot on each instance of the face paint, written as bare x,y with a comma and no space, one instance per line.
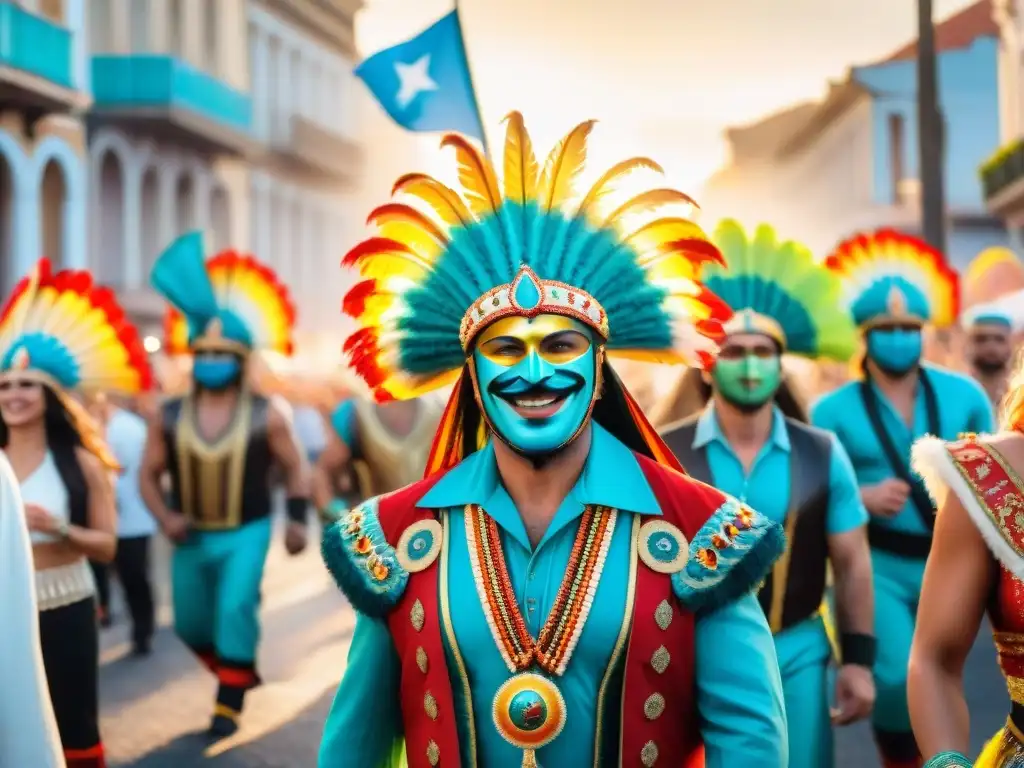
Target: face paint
536,379
748,382
216,371
895,350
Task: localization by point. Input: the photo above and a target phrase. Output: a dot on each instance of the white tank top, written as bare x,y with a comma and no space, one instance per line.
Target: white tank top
45,489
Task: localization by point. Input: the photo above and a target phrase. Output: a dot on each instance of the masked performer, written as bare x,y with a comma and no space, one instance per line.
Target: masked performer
219,444
976,565
752,441
989,329
59,334
384,446
554,592
894,285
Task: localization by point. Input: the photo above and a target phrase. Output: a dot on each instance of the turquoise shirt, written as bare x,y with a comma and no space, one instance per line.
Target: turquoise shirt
743,717
343,421
963,407
766,489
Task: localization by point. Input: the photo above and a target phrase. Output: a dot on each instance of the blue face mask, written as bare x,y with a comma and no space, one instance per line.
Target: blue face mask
895,351
536,379
216,371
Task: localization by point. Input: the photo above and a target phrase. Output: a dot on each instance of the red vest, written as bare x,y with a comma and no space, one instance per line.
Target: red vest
659,716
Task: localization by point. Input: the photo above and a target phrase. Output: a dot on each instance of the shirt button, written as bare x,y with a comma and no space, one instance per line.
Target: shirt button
531,604
533,575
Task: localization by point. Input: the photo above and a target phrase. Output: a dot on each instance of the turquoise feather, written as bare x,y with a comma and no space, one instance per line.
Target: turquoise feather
179,275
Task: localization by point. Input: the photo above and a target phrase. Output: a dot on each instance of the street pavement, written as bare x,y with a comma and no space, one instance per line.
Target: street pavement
154,709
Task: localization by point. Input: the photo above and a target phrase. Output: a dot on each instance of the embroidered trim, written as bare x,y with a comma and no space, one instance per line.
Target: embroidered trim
419,545
663,547
730,555
557,640
363,564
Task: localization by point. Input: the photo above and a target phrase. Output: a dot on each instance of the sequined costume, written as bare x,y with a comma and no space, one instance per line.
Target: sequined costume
895,284
991,492
802,477
222,310
627,633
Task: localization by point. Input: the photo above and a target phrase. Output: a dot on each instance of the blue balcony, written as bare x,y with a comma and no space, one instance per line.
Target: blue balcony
35,59
171,95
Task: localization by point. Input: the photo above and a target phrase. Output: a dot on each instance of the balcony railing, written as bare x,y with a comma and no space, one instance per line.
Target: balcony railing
32,44
1001,170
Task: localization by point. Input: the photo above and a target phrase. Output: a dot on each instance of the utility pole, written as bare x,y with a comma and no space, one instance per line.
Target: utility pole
931,128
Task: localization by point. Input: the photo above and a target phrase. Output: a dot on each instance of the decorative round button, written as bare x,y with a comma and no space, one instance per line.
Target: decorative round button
419,545
663,547
529,711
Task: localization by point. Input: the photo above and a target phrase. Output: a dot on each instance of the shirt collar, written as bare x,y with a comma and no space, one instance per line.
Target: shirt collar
611,477
708,430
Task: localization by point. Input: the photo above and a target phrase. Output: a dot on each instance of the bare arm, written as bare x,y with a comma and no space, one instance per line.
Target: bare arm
99,541
959,573
332,462
284,445
154,465
851,566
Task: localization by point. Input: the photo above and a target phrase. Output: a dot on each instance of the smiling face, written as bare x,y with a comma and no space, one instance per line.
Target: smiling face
748,370
536,380
21,401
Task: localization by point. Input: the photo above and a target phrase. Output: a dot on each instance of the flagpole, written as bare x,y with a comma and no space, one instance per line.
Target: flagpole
472,83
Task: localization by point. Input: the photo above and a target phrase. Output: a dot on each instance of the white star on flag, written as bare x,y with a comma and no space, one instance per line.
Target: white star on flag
414,79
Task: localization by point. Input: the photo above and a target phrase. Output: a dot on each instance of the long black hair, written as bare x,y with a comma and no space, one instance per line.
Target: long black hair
63,440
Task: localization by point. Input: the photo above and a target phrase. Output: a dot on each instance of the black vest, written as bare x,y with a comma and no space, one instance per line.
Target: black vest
800,573
223,484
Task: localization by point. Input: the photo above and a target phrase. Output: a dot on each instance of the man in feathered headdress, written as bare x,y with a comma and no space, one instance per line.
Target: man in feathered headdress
752,440
219,444
554,570
893,285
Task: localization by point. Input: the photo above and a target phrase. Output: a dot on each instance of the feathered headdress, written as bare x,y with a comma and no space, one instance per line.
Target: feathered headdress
776,288
889,276
229,303
61,329
445,266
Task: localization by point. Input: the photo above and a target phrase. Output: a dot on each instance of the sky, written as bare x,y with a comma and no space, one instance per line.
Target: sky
663,77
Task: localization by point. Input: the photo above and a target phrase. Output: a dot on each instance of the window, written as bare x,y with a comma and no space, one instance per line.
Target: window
176,29
212,48
139,26
897,153
99,27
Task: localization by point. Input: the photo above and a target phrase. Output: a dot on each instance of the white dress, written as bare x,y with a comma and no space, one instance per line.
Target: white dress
28,729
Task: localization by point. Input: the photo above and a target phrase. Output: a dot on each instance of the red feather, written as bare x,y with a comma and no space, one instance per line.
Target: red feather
372,247
354,303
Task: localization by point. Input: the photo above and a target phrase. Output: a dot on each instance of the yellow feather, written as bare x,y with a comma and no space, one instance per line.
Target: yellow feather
406,214
476,176
421,243
658,357
670,270
563,165
656,234
443,200
645,201
384,265
520,162
606,184
404,387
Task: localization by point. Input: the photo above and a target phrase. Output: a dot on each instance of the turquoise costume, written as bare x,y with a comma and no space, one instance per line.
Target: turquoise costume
621,632
894,285
802,477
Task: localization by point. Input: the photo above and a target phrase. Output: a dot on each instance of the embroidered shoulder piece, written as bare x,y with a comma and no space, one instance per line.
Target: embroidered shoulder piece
364,566
730,555
988,488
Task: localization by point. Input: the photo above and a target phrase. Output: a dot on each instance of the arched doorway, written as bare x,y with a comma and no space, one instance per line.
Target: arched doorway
53,195
108,259
149,220
220,219
6,226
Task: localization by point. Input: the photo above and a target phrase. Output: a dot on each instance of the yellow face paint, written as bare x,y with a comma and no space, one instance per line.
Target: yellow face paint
555,338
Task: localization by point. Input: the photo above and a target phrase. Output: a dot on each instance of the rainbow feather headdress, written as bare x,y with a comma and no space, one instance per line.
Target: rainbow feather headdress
889,277
230,302
444,265
62,329
777,289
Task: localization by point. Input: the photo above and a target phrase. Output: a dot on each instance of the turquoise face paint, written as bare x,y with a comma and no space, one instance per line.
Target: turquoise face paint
895,350
749,381
536,379
216,371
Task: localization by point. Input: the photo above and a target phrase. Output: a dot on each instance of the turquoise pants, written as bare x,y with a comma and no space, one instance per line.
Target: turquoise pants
215,577
897,591
804,655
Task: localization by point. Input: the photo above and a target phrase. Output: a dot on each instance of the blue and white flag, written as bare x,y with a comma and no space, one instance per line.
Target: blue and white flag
424,83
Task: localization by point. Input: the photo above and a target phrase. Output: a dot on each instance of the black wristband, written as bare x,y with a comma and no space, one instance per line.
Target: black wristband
857,649
297,507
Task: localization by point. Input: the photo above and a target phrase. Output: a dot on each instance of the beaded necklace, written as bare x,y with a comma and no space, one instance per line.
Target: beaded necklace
553,647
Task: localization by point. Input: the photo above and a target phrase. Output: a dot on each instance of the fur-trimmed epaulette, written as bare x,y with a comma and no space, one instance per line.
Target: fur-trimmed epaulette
731,549
359,548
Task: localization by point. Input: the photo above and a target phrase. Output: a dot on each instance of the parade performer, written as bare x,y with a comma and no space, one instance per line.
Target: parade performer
990,330
893,285
554,592
383,446
219,444
745,443
62,336
977,565
28,730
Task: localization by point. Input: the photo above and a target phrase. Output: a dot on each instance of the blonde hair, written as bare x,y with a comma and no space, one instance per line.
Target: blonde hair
1011,410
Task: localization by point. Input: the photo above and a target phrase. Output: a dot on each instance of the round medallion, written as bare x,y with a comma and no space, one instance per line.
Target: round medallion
529,711
419,545
663,547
